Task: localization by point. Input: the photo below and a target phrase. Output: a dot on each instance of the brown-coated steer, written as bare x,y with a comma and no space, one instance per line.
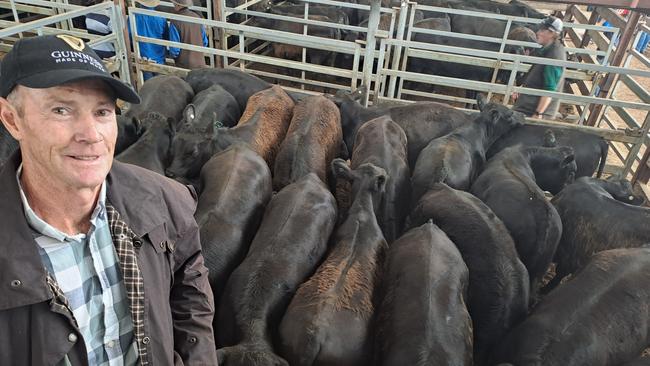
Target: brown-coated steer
509,186
263,126
498,281
457,158
382,142
596,216
328,320
286,250
422,318
599,318
235,189
313,140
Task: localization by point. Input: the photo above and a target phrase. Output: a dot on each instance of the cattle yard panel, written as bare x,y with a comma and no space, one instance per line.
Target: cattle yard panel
245,32
63,14
494,60
362,70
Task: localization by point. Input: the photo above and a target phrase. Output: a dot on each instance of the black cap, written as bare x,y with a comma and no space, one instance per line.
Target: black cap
48,61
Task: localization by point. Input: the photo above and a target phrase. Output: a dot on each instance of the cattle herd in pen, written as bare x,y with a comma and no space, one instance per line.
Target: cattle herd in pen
417,234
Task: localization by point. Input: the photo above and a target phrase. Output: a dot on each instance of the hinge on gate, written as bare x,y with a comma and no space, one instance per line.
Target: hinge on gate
634,132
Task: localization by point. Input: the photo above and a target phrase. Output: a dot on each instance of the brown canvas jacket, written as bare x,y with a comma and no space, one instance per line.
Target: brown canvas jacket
156,238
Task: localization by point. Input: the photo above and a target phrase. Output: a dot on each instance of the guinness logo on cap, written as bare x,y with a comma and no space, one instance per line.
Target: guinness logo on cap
77,44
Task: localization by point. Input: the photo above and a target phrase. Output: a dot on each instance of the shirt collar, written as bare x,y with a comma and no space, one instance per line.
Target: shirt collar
40,225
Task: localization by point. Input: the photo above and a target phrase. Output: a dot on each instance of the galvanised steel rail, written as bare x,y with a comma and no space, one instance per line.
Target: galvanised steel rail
43,26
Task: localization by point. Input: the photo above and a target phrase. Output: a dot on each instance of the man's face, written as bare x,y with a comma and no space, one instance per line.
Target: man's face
67,133
545,37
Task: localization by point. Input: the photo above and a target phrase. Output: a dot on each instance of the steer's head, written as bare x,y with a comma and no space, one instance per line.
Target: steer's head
621,190
367,180
190,149
499,118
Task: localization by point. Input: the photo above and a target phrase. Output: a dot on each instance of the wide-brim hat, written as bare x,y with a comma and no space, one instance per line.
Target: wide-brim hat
49,61
149,3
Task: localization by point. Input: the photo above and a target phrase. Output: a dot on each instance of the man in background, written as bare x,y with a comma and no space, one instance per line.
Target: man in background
544,77
190,33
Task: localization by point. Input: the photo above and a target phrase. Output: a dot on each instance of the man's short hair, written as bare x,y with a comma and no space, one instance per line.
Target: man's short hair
15,100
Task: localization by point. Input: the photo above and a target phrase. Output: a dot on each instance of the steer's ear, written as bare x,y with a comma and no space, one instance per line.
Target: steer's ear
137,125
189,113
341,170
481,102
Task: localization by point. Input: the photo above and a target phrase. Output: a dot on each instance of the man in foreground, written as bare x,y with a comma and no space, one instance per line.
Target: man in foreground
100,262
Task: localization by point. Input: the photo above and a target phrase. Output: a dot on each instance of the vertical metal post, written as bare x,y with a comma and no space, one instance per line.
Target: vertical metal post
391,30
355,66
305,31
242,50
120,9
121,48
210,34
380,62
406,50
401,23
502,48
136,51
634,151
511,81
224,36
371,42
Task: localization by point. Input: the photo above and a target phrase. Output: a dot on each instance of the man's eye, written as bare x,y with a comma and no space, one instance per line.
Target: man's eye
59,110
104,112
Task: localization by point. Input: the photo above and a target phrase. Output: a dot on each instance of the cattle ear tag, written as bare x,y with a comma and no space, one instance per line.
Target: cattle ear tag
217,124
75,43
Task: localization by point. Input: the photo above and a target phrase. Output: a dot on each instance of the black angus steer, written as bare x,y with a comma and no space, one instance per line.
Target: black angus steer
422,317
286,250
508,186
599,318
235,189
329,319
151,151
597,215
498,280
590,150
456,158
213,106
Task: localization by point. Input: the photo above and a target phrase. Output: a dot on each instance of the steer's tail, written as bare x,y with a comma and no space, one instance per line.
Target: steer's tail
604,150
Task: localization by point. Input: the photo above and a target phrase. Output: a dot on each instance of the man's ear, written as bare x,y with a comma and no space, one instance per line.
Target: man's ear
10,119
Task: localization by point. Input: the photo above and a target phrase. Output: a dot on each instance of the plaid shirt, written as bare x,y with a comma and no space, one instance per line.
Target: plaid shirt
84,268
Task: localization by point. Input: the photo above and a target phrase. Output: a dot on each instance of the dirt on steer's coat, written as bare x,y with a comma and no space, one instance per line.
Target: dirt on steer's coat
457,158
151,150
508,187
263,126
498,281
596,216
313,140
382,142
286,250
423,319
599,318
235,189
329,319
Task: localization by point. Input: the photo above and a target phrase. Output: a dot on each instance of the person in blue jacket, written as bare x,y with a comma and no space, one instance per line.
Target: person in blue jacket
152,27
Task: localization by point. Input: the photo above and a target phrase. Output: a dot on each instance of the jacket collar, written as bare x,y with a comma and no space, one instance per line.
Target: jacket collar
127,192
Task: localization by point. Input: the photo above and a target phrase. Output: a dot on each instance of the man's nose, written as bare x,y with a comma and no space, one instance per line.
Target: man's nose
86,130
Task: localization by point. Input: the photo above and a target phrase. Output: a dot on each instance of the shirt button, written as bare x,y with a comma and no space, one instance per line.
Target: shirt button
146,340
110,344
16,283
72,337
192,339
